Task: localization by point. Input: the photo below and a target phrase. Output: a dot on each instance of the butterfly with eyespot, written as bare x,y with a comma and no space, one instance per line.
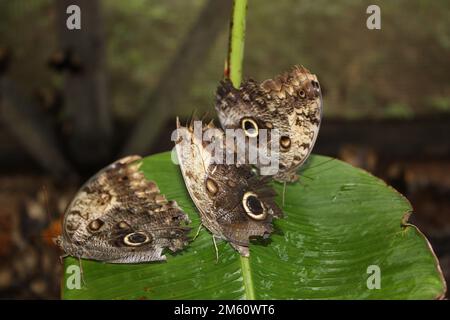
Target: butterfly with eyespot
118,216
234,203
290,103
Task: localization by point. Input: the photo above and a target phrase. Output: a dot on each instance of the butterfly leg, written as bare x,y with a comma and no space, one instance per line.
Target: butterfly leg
284,192
198,231
81,271
215,247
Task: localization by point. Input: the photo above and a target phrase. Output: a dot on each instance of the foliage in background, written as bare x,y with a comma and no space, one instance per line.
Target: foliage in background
363,73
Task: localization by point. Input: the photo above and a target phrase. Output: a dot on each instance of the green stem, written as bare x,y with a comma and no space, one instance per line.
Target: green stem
247,277
234,72
237,39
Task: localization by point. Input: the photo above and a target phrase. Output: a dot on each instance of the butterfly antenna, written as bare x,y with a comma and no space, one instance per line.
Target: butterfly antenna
191,119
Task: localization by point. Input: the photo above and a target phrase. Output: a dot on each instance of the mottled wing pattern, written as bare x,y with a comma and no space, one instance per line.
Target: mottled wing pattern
290,103
119,216
234,204
231,211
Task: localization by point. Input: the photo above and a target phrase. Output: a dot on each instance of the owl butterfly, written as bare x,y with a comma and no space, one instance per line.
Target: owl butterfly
290,103
119,216
234,203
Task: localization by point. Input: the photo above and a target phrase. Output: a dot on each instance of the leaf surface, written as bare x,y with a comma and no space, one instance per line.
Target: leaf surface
339,221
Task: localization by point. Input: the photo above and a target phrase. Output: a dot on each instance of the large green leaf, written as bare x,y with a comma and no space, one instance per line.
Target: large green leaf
339,221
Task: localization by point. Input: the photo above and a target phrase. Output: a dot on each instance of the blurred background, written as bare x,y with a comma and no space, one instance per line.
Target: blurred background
72,101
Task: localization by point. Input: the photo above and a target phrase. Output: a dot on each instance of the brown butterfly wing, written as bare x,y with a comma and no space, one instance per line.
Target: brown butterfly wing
218,191
290,103
119,216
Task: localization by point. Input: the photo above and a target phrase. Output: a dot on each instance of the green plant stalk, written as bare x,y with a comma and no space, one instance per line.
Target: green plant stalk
237,40
235,58
247,277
